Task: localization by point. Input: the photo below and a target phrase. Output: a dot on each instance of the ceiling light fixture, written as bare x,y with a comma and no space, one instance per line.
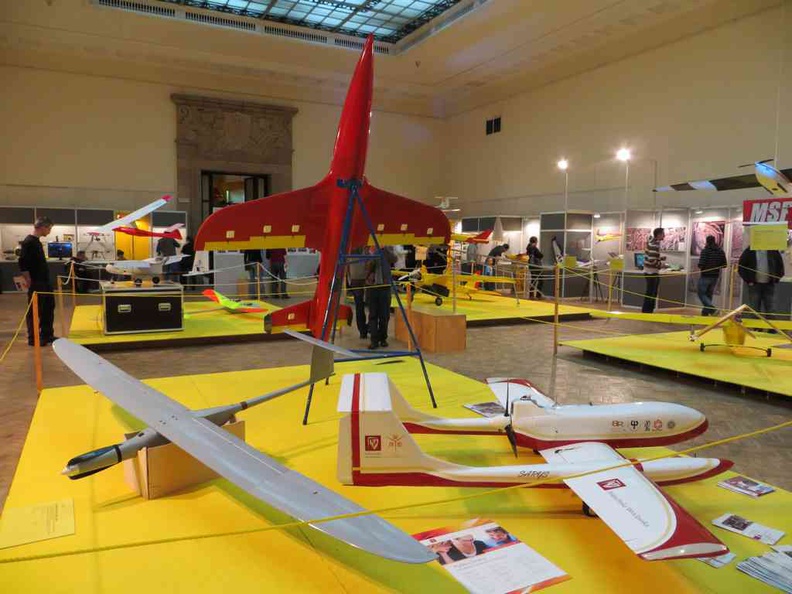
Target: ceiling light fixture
563,164
623,154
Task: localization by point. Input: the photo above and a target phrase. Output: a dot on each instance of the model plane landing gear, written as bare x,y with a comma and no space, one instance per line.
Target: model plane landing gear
588,512
138,282
438,301
155,280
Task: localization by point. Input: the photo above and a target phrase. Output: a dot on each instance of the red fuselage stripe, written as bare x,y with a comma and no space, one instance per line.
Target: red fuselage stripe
535,443
355,429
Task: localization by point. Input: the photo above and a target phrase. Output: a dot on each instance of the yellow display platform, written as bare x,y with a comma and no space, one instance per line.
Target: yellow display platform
204,321
675,352
182,542
494,309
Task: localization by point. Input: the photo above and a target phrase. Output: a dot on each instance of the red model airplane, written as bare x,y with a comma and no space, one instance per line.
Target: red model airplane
314,217
172,231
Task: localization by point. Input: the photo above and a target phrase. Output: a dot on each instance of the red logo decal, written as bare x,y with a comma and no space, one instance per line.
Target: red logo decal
658,424
373,443
611,484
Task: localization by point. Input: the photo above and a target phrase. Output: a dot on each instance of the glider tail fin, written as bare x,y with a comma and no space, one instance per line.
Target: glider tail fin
374,447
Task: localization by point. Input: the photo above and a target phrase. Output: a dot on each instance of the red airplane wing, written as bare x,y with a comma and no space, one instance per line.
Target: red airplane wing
399,221
291,219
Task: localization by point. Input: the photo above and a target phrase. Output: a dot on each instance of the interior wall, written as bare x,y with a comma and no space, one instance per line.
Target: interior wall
694,109
94,141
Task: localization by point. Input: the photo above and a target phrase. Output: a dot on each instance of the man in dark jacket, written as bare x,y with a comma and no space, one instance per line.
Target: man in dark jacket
761,270
378,295
33,265
711,261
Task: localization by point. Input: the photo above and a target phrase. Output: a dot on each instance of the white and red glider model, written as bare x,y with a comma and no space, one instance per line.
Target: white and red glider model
125,224
198,433
534,421
375,449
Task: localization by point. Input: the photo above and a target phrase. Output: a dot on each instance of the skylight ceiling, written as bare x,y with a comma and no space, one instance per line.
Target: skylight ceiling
388,20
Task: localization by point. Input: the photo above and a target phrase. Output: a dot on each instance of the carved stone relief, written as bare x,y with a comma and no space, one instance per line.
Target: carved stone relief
230,136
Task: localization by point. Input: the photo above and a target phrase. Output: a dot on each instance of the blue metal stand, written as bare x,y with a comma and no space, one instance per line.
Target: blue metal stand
334,301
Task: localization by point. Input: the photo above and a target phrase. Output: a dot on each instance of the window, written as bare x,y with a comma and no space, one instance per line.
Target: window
493,125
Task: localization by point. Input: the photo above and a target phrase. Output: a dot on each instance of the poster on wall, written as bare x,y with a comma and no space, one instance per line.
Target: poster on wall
736,240
700,231
637,238
602,234
486,558
674,240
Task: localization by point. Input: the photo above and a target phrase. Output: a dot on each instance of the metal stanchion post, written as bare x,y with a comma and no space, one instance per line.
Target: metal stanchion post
610,286
734,267
557,291
259,275
453,281
61,313
409,314
36,343
73,285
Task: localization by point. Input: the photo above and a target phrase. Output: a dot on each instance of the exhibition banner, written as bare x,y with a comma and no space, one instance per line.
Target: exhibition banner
770,210
487,559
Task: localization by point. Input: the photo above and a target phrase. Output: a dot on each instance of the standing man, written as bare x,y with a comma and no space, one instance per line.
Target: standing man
535,257
494,253
378,294
710,262
33,265
166,247
277,266
356,285
653,263
761,269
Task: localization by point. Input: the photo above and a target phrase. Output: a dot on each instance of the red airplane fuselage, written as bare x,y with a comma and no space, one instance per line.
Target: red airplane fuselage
314,217
349,163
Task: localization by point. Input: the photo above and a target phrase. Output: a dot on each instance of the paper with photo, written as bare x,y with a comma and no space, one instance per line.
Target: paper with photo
746,486
23,525
486,559
752,530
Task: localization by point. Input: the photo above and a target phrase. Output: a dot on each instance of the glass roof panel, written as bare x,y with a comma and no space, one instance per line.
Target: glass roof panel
389,20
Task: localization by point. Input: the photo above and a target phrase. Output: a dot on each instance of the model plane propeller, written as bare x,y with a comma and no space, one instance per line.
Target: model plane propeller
198,433
375,449
314,217
775,181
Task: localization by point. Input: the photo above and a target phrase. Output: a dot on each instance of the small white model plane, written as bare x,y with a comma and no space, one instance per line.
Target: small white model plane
149,269
775,181
198,433
375,449
125,223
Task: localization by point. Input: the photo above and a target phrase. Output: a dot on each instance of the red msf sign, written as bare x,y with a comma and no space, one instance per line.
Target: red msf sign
770,210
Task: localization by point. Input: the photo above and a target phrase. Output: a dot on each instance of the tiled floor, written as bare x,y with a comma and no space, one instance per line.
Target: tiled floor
522,351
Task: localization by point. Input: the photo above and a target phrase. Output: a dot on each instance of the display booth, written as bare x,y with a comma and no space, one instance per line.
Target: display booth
71,232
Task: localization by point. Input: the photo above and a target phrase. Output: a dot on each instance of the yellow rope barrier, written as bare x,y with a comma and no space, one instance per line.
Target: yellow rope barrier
390,509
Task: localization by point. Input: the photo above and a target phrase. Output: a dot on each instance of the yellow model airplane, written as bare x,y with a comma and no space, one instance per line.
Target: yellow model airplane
482,237
440,285
734,327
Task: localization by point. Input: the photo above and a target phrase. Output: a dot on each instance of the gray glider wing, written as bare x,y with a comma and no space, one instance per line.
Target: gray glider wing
261,476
